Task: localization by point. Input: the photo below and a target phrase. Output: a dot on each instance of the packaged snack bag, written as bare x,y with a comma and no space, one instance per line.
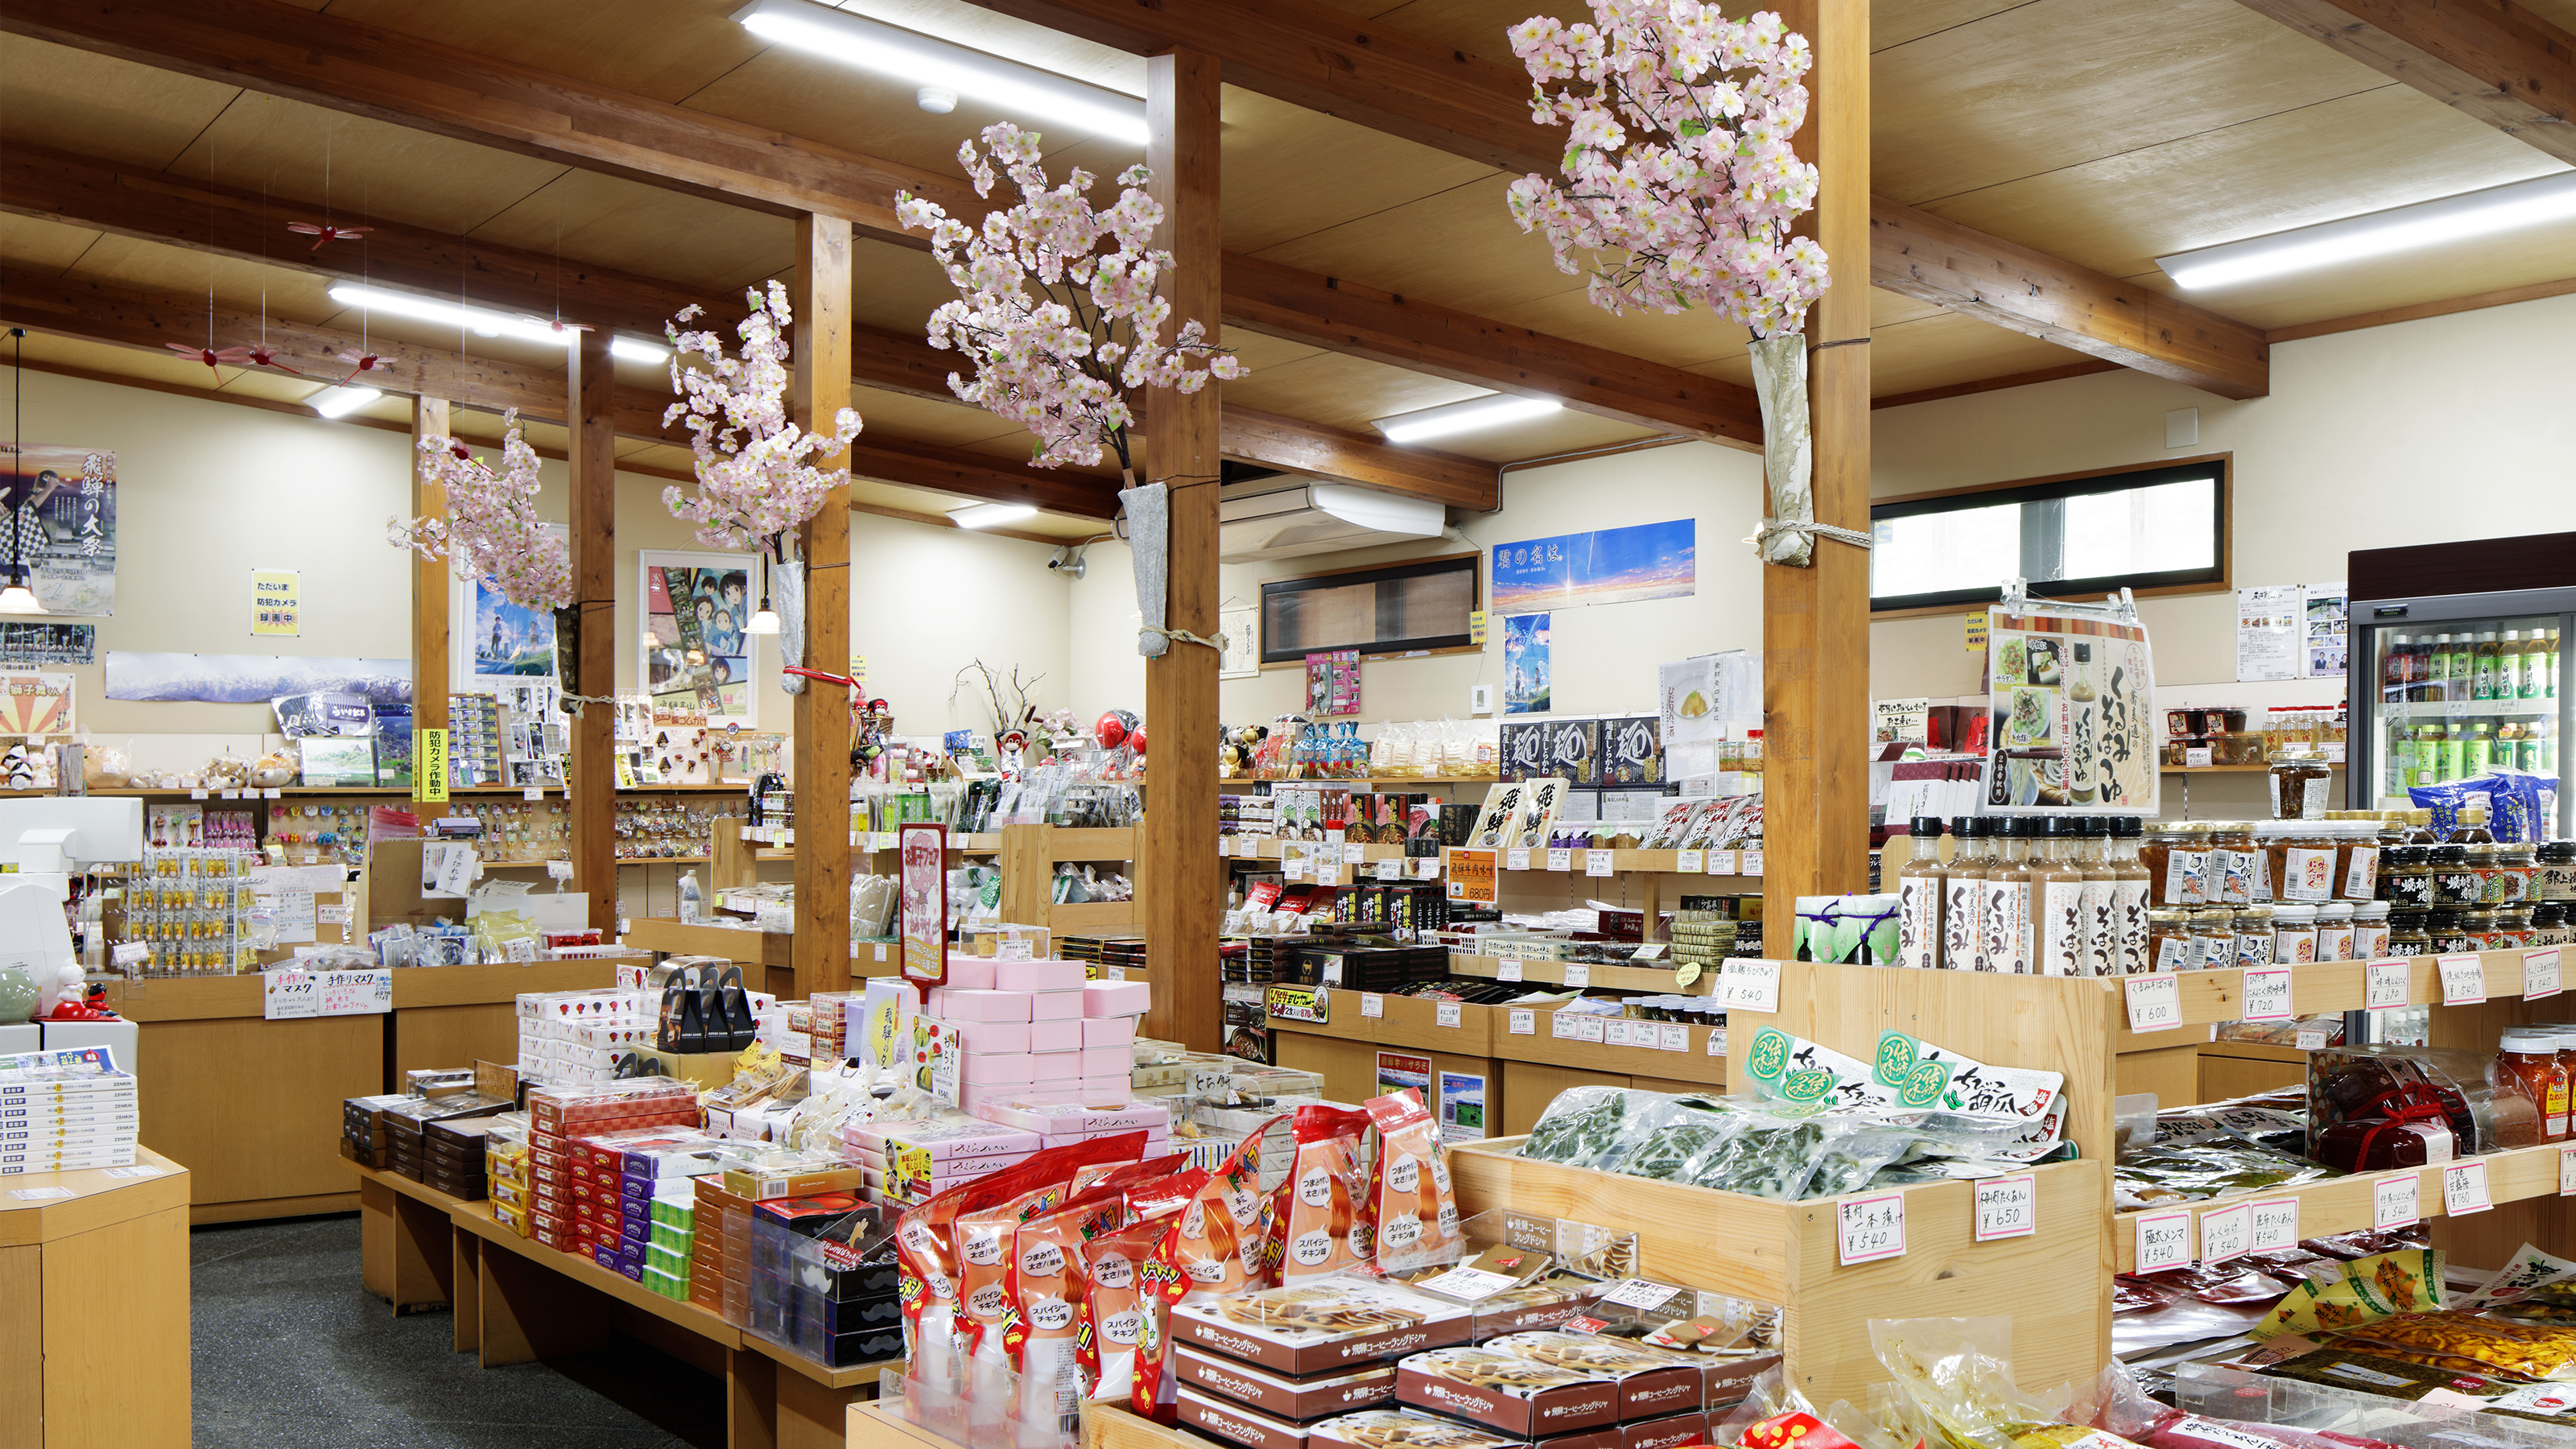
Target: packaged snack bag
1324,1205
2383,1285
1113,1308
1222,1241
1048,1274
1411,1200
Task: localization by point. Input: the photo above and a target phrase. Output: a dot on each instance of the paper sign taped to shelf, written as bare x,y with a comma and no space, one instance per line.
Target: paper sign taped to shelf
287,995
1717,1041
1869,1229
1641,1295
2267,995
2464,980
1446,1013
2567,1172
1562,1024
357,993
1471,875
1750,862
2155,1002
2540,973
2007,1207
2392,1201
1675,1037
2225,1233
1747,985
1721,862
132,953
2464,1187
39,1194
1353,852
1597,862
1372,1004
2164,1240
1578,974
1593,1028
1690,862
1524,1021
1390,870
1560,859
1467,1284
2384,983
2272,1223
1622,1032
1509,970
1426,867
1516,860
2311,1038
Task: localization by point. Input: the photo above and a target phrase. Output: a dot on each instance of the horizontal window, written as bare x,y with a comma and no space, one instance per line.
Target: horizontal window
1389,610
2151,528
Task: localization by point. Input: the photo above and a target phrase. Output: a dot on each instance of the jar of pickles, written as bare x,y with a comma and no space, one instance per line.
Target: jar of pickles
2253,935
2370,930
2555,879
2514,928
2300,783
2455,877
2214,927
2549,925
2357,859
2410,931
2406,876
2508,872
2294,933
2233,863
2446,931
2303,863
2176,855
2334,931
2170,946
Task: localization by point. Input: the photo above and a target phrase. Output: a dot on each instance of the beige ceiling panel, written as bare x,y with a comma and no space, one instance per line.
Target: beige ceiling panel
1459,248
1886,309
1896,22
894,286
663,456
1737,370
356,165
919,420
238,285
2435,274
2057,83
273,386
2346,157
613,222
89,103
1256,351
42,246
660,48
1951,348
1565,432
1676,339
1343,392
1291,172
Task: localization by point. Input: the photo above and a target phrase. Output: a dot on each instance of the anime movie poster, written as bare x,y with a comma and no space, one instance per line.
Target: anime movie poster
510,640
62,524
698,662
1525,664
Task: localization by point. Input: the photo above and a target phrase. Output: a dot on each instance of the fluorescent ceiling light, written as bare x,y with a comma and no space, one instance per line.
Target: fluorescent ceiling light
2451,218
484,322
990,515
1036,97
1489,411
339,402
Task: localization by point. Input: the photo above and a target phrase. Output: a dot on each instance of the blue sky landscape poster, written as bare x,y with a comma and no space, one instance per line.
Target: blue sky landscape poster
1609,566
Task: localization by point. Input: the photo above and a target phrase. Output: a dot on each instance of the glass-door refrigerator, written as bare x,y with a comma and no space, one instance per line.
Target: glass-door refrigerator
2454,683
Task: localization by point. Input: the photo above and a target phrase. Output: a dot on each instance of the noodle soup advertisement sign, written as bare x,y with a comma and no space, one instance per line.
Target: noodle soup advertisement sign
2070,698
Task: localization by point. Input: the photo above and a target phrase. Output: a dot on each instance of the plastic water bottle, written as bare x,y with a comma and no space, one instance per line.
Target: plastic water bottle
692,903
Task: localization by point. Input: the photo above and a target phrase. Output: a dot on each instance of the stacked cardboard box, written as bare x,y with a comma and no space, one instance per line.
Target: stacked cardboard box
407,1123
572,1195
364,1138
672,1216
1252,1374
505,1177
453,1151
711,1229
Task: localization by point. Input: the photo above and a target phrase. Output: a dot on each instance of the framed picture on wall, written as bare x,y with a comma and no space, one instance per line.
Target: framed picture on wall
696,662
493,642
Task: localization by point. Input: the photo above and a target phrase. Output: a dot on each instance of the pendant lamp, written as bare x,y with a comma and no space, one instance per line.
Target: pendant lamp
17,597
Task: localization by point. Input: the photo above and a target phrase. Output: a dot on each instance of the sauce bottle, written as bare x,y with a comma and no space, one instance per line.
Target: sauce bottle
2130,885
1963,941
2101,882
2004,915
1921,886
2057,892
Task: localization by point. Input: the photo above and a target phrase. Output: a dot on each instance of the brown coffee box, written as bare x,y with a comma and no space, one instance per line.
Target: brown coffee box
1653,1382
1285,1396
1505,1391
1728,1380
1665,1433
1319,1324
1233,1423
1399,1428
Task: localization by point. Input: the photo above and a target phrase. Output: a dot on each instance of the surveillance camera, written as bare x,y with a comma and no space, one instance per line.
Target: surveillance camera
1067,560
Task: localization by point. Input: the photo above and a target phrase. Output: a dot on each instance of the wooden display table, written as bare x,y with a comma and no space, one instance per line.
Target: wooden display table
518,1301
253,1106
94,1308
763,951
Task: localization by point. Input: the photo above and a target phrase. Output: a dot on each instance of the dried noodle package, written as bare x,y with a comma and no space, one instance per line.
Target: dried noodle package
1412,1201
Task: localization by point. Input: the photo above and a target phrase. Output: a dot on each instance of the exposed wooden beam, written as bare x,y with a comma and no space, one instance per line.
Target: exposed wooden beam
2493,60
1332,62
1360,321
820,291
430,680
981,475
1919,255
1335,453
287,50
590,778
2418,311
1993,384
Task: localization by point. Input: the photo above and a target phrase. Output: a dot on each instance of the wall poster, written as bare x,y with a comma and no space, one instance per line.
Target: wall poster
36,705
27,643
697,663
1397,1071
62,512
1609,566
1525,664
2070,699
252,678
2329,608
1462,1107
1333,683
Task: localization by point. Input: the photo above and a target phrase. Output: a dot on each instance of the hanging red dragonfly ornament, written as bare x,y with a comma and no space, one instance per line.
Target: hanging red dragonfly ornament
323,232
358,362
212,356
557,323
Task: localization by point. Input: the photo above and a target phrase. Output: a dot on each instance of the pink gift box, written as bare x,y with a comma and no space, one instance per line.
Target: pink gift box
1114,998
1104,1091
1108,1031
1038,975
1059,1005
984,1038
969,1005
1006,1069
1119,1062
970,973
980,1100
1057,1036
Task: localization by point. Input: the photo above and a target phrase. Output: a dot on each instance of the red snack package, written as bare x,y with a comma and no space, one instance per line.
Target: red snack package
1113,1312
1047,1278
1324,1205
1409,1192
1223,1241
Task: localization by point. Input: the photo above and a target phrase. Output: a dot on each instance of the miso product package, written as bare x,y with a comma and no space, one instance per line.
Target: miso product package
1324,1204
1410,1197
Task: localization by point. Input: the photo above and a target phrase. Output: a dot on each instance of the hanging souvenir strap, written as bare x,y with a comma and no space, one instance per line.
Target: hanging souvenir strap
2070,692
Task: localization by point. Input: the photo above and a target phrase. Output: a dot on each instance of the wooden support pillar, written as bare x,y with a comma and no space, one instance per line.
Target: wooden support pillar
1815,621
429,679
591,777
819,290
1182,888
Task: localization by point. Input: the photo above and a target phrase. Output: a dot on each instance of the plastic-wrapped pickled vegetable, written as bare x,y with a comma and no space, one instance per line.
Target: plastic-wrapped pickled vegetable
1662,1140
1584,1124
2456,1341
2211,1167
1958,1372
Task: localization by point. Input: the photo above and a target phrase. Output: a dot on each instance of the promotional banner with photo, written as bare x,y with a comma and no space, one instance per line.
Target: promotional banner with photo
252,678
23,642
697,663
1525,665
2070,698
62,513
1610,566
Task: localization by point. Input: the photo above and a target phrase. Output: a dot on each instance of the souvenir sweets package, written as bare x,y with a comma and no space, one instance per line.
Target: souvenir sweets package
1285,1396
2402,1281
1112,1308
1412,1200
1222,1241
1503,1390
1653,1382
1318,1324
1324,1204
1047,1281
1401,1429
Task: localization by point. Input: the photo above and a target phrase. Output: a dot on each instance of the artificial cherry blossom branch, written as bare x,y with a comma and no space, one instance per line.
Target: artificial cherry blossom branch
491,529
755,480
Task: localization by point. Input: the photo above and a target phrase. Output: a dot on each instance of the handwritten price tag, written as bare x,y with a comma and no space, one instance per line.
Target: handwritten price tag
1597,862
1390,870
1507,970
1717,1041
2567,1172
1447,1013
2155,1002
1619,1033
1515,860
2267,995
1721,862
1593,1028
2384,984
2540,973
1353,852
2007,1207
1524,1022
2164,1240
132,953
1560,859
1690,862
2464,980
357,993
1578,974
2275,1224
1676,1038
1748,985
2392,1201
1565,1026
1752,862
1372,1004
1870,1228
288,995
1641,1295
2464,1187
2225,1233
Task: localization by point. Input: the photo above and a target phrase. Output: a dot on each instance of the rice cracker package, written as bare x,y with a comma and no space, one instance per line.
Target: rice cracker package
1324,1205
1410,1196
1223,1241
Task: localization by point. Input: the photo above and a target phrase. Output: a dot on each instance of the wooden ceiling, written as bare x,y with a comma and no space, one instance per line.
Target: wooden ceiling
2102,133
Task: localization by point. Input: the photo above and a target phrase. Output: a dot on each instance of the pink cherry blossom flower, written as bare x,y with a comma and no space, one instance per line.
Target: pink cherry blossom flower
1064,334
491,529
756,479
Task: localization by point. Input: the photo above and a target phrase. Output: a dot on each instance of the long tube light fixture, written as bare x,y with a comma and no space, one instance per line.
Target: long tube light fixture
484,322
1489,411
1034,97
2403,228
